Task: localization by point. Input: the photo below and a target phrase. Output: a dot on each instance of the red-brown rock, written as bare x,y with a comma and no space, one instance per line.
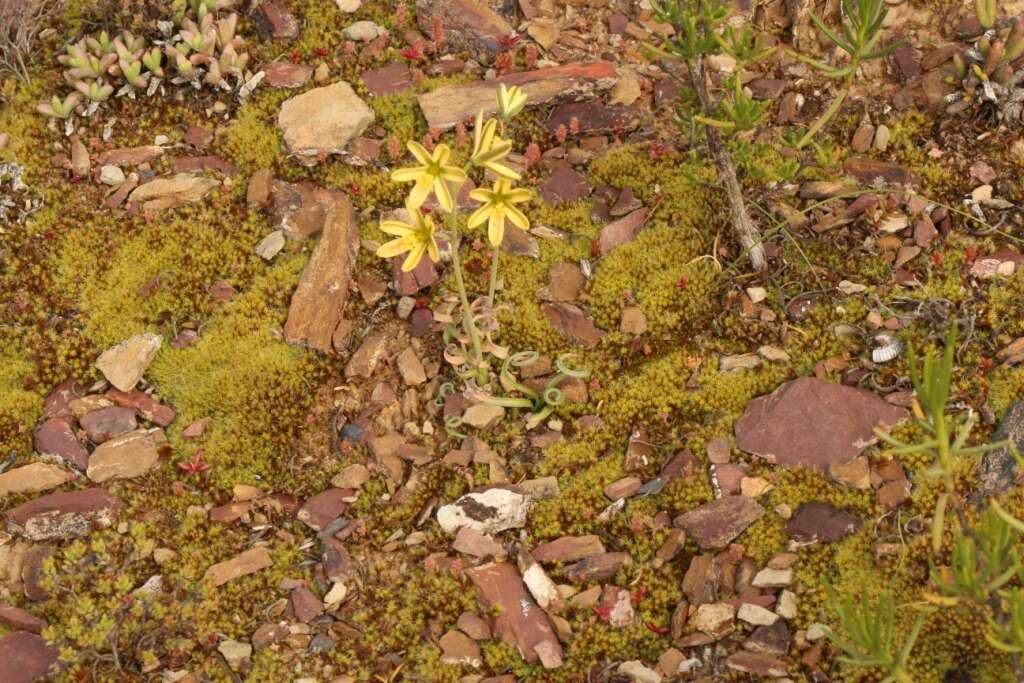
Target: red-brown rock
145,405
468,25
56,437
388,80
572,322
568,549
715,524
869,170
565,185
305,605
300,209
821,522
106,423
594,117
324,508
814,423
599,567
286,74
18,619
64,515
275,22
520,621
25,657
318,303
622,231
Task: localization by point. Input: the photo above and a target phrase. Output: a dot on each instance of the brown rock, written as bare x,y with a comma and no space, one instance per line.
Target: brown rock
33,478
565,185
104,424
323,121
756,664
388,80
468,25
821,522
56,404
773,640
338,565
519,621
18,619
305,605
599,567
472,542
26,657
702,580
257,195
127,456
64,515
55,437
814,423
364,361
275,22
268,634
573,323
593,117
565,280
209,162
622,231
869,170
458,649
145,405
300,209
286,74
319,301
617,604
472,625
168,192
715,619
324,508
198,137
622,488
997,470
568,549
633,320
131,156
243,564
447,106
715,524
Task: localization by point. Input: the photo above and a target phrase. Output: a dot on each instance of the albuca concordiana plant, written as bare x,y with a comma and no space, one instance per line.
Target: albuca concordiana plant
473,326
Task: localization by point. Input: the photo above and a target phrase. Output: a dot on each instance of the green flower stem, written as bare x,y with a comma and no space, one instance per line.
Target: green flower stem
494,277
825,117
467,314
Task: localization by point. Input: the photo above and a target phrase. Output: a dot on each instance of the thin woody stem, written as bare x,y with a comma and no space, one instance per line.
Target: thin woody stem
746,231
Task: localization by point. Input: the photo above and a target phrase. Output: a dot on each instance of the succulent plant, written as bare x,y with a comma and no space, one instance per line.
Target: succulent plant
199,46
58,108
94,91
986,72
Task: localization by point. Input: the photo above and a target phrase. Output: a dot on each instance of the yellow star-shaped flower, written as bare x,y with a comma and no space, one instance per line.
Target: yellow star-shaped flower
489,149
434,174
510,101
498,205
416,238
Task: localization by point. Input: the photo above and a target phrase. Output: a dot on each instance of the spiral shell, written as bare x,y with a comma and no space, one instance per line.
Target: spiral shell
890,349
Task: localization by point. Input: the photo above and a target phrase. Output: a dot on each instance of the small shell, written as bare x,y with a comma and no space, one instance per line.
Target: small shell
890,349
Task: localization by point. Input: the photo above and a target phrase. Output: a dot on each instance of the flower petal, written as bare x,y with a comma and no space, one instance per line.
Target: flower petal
496,229
444,195
396,228
518,196
441,154
414,257
481,194
478,217
407,175
420,152
517,217
418,193
393,248
432,250
454,174
503,171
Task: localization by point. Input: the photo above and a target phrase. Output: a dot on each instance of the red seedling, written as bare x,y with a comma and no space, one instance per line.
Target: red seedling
196,465
660,630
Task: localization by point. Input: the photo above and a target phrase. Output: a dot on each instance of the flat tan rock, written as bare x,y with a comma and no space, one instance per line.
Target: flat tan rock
447,106
125,364
33,478
127,456
323,121
319,301
243,564
171,191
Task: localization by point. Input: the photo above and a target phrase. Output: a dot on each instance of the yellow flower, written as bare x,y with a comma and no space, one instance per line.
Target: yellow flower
434,174
417,239
489,149
510,101
498,205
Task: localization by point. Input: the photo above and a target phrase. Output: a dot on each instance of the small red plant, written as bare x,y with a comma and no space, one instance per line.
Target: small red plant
196,465
413,53
561,133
